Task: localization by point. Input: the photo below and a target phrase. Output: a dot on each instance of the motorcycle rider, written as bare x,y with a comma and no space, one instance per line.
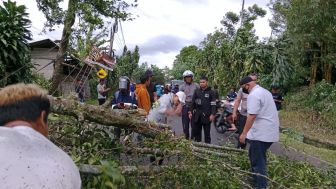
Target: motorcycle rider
122,96
202,111
188,87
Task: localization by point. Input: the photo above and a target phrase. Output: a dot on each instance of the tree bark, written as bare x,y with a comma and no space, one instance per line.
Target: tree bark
313,71
128,170
216,147
128,119
66,34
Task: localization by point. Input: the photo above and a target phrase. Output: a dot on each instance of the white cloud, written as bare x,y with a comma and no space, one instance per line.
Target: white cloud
187,21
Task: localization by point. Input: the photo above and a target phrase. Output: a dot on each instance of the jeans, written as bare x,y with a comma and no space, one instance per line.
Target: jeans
257,156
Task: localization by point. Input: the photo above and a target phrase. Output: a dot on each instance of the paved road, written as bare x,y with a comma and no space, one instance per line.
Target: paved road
228,139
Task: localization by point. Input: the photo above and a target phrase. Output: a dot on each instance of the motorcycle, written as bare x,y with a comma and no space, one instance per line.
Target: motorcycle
224,110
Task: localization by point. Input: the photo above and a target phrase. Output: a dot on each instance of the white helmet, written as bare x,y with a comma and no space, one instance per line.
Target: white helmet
188,73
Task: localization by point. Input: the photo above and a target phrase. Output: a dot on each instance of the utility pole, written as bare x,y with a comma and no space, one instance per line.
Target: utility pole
114,29
242,13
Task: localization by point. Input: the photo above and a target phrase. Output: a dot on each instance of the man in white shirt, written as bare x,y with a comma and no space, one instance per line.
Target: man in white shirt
102,91
261,128
28,159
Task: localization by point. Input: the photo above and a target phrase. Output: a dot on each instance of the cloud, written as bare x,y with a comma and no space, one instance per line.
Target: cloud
164,44
165,26
193,2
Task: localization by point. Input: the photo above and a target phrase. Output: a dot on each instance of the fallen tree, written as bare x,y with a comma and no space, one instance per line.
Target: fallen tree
128,119
84,132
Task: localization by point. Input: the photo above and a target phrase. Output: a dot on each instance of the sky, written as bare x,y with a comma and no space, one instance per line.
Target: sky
161,28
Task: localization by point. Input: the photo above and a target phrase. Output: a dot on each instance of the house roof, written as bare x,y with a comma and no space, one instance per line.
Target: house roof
45,43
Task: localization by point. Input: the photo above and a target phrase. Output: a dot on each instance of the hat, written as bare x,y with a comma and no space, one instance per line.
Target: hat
245,80
149,73
181,95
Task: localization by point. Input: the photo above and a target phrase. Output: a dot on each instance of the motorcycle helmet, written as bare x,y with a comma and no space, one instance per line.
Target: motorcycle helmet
124,82
188,73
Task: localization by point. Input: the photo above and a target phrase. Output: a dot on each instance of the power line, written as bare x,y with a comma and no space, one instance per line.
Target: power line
122,33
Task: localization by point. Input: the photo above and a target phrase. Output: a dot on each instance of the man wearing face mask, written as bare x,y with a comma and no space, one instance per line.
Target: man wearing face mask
28,159
240,117
261,127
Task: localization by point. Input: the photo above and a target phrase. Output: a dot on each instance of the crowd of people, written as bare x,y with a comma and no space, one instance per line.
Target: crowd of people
256,122
24,110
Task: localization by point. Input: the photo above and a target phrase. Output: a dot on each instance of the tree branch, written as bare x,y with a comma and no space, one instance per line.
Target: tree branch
127,119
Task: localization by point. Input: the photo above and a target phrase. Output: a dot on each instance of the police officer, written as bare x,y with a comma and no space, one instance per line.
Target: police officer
188,87
202,111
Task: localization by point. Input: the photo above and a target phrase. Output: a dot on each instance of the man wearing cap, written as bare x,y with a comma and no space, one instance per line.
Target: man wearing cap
261,128
202,111
151,88
28,159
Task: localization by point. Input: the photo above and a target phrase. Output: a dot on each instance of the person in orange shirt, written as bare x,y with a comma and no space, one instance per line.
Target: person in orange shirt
142,94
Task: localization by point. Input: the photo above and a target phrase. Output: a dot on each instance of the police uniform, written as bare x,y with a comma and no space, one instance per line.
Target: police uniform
203,105
189,90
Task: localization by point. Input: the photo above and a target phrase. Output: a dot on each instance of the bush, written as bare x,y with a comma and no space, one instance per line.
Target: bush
318,101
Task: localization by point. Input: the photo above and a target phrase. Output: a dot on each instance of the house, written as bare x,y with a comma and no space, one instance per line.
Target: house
42,53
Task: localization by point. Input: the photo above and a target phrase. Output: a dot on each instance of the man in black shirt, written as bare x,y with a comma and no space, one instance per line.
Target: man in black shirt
151,88
278,99
202,111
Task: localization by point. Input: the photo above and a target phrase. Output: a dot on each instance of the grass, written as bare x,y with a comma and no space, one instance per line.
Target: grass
321,153
305,123
91,101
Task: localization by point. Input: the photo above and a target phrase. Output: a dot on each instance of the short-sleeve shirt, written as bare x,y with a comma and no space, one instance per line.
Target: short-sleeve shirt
29,160
266,125
277,96
100,88
243,105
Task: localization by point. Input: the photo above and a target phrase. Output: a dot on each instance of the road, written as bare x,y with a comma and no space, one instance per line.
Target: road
229,139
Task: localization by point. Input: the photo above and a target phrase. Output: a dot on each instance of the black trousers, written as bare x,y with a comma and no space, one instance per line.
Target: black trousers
101,101
197,131
241,120
186,122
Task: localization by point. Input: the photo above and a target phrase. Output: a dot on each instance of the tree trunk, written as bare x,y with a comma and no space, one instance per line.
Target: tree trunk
327,67
66,34
313,71
128,119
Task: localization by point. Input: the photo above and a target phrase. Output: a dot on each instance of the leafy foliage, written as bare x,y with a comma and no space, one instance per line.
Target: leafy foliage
309,26
94,144
15,65
231,52
91,16
318,102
